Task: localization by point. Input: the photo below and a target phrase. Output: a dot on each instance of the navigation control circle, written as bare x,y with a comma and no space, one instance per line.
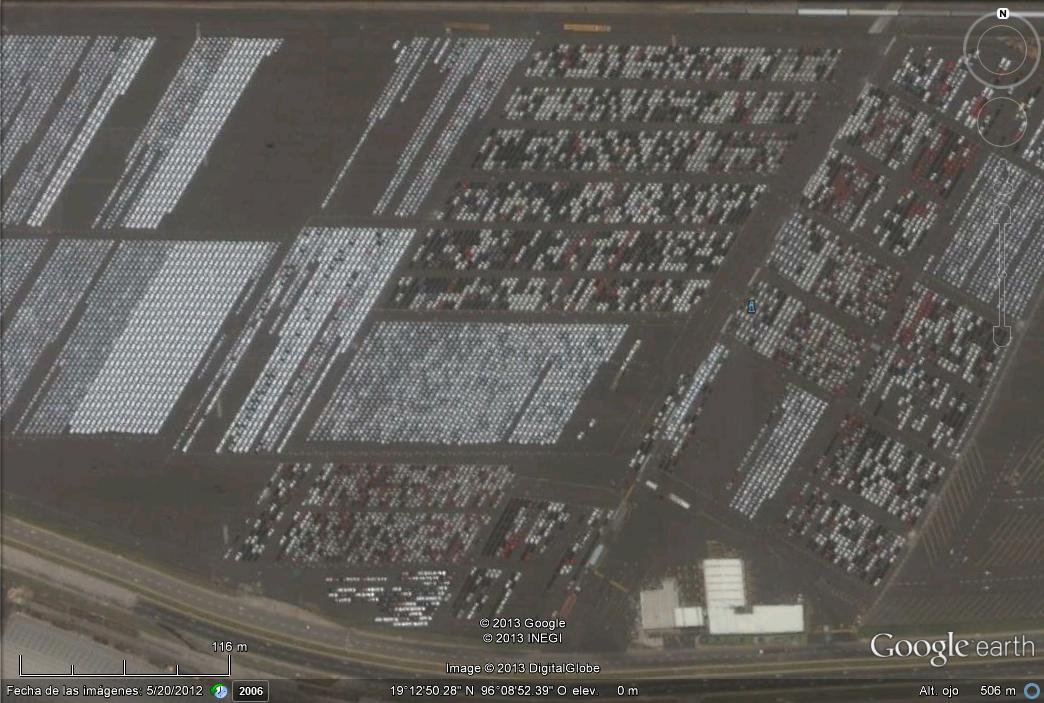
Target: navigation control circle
1007,110
989,72
997,29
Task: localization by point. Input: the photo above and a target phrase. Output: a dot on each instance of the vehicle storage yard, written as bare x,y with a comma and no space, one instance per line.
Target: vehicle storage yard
415,326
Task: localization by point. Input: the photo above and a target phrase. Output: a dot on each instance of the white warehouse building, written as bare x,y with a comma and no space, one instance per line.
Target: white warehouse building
726,611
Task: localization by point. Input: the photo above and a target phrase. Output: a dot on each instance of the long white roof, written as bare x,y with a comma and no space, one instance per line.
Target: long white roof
759,620
724,582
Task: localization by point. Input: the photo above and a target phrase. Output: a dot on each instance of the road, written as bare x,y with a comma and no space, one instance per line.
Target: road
323,647
826,9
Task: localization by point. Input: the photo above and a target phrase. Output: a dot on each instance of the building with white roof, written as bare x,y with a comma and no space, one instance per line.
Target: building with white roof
726,610
725,585
756,620
661,609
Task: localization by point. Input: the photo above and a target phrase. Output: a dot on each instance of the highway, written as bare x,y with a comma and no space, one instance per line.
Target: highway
321,647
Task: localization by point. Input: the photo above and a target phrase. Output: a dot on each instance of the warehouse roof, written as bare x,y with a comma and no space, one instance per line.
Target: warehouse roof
758,620
658,606
724,583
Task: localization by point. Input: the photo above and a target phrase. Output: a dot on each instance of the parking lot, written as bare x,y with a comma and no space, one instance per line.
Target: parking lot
526,316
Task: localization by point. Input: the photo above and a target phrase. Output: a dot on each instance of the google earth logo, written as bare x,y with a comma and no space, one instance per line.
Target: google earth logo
885,646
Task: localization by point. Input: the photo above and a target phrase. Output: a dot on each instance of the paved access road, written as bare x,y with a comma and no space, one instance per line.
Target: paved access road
318,646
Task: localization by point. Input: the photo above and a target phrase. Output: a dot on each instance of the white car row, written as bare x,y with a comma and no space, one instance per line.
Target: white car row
783,329
818,261
411,59
934,333
167,335
109,305
843,189
775,449
47,308
903,225
494,60
929,77
633,151
843,535
604,202
880,469
466,383
481,585
323,292
563,294
273,506
182,129
34,69
1000,235
320,537
580,103
623,251
17,258
410,600
884,127
700,63
407,486
108,67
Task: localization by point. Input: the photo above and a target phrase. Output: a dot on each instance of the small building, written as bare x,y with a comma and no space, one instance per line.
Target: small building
689,616
662,613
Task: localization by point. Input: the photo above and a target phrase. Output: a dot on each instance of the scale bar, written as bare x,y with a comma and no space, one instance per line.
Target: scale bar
227,674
